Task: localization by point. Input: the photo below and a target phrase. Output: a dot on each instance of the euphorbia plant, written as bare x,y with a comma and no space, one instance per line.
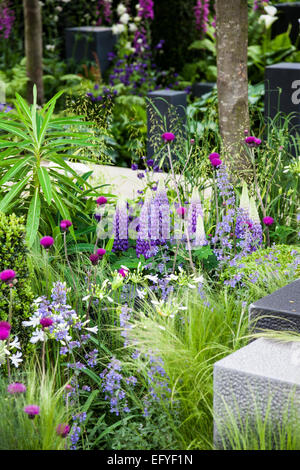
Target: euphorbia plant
32,138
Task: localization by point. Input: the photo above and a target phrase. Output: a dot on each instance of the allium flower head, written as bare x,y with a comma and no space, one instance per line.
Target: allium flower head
268,220
101,200
16,388
32,411
65,224
46,242
168,136
46,322
63,430
7,275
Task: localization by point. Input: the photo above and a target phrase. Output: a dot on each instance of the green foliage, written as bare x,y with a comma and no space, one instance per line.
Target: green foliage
17,431
13,255
31,140
263,265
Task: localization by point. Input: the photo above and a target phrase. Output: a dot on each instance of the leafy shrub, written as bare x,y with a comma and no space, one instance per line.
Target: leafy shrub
13,253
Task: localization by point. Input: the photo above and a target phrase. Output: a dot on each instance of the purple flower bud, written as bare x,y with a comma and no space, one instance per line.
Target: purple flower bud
101,252
268,220
7,275
168,136
101,201
94,259
46,242
46,322
65,224
63,430
32,411
134,167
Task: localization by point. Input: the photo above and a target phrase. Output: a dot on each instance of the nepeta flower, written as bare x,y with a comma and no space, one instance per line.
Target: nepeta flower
134,167
150,162
16,388
268,220
46,242
32,411
7,275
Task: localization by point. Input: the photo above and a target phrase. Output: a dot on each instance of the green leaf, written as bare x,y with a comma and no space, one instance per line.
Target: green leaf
15,190
45,182
81,248
33,218
14,170
109,244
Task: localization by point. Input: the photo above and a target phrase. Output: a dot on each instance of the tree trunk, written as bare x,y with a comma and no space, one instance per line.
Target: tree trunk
232,44
34,48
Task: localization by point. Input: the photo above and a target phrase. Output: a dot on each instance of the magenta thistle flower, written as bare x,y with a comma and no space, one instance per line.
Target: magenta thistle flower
216,162
5,325
63,430
101,200
101,252
123,272
65,224
252,141
94,258
268,220
4,334
181,211
168,136
46,322
214,155
46,242
7,275
32,411
16,388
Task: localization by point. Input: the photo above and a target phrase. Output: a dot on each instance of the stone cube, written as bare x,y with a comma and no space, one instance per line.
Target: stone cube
262,377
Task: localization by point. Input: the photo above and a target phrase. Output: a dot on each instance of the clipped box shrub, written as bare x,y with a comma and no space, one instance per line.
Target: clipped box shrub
13,255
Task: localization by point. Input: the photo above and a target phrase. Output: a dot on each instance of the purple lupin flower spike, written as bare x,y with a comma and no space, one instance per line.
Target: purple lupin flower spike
120,227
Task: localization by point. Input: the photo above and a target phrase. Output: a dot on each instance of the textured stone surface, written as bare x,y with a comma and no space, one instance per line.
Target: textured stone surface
277,311
199,89
83,41
264,375
284,76
162,100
